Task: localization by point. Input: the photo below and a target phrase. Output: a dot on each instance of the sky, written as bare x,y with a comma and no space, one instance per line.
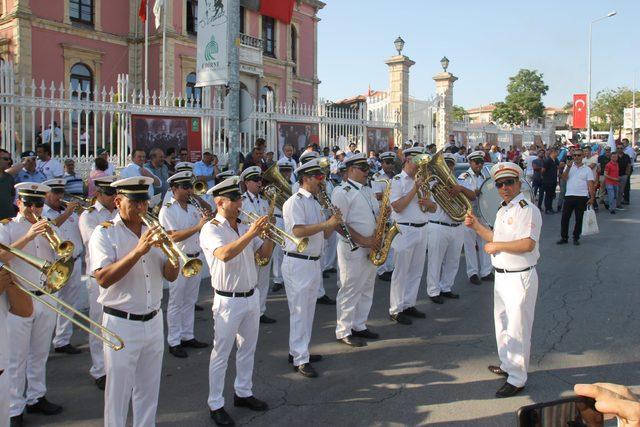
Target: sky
486,42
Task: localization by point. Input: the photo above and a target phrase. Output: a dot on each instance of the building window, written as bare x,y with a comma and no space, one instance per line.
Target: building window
294,49
81,80
192,92
267,96
192,17
269,36
241,20
81,11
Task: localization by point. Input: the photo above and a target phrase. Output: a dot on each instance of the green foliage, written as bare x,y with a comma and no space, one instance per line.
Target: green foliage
524,98
459,113
607,109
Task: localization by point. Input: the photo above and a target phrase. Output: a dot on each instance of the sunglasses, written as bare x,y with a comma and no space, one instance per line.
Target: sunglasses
107,191
363,168
255,179
507,182
234,197
388,162
186,186
577,155
5,158
38,204
480,162
319,177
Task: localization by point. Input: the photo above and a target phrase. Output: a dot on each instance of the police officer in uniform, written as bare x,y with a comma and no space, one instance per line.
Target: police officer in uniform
478,261
230,247
410,246
513,246
302,272
359,208
182,222
30,337
130,267
379,185
104,209
286,170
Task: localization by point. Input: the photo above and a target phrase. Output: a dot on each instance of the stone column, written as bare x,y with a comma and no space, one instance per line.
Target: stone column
399,95
444,117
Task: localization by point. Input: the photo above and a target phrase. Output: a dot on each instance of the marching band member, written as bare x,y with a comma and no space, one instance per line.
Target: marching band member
385,174
230,247
513,246
30,337
359,208
410,246
182,222
66,220
104,209
477,260
446,238
180,167
287,159
302,272
286,170
130,268
252,201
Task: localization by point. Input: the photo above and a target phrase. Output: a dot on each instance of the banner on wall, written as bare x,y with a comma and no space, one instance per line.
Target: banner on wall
380,139
149,132
212,66
297,134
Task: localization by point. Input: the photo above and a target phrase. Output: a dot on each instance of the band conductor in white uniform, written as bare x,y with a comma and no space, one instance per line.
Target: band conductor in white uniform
513,246
130,267
230,248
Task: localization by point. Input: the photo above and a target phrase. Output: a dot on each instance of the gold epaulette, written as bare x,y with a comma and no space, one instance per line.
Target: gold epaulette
215,222
107,224
523,203
5,221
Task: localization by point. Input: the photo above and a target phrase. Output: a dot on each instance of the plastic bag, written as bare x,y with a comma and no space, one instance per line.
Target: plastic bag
589,222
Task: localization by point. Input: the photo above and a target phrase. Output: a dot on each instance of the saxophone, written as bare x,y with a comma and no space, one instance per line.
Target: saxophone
385,234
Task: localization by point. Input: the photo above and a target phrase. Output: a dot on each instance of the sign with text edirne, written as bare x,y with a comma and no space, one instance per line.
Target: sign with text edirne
212,64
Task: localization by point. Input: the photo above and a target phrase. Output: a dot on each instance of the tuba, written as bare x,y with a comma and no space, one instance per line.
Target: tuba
384,233
276,183
422,162
438,171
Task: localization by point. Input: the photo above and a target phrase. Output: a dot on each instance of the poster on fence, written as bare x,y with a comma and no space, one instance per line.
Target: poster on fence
297,134
379,139
211,44
149,132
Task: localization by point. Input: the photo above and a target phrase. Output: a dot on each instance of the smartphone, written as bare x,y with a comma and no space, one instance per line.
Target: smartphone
576,411
569,157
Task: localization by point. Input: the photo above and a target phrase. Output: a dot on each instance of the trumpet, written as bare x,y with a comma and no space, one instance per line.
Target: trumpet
191,266
62,248
278,235
56,275
79,209
200,188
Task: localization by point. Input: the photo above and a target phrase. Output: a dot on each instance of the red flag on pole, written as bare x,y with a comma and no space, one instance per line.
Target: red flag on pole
282,10
580,111
142,10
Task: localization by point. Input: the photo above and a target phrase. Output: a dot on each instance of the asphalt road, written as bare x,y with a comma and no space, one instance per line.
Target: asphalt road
432,372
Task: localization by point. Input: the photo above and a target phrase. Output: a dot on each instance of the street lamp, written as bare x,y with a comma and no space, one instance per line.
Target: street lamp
608,15
399,43
444,62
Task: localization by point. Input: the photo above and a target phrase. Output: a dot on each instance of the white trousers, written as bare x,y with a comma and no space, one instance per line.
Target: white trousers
264,276
301,281
235,320
276,263
408,258
388,264
133,373
95,344
70,294
183,294
357,278
445,246
4,398
514,300
477,260
328,258
30,339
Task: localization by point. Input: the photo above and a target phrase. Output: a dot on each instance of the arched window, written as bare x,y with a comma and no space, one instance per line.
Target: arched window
267,96
81,11
294,49
81,81
191,91
269,36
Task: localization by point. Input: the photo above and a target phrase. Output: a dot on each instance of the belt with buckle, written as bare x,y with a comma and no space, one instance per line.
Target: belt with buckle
196,255
235,294
37,293
502,270
300,256
455,224
130,316
413,224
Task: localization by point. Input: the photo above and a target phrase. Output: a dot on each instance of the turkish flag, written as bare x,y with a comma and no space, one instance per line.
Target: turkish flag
282,10
580,111
142,10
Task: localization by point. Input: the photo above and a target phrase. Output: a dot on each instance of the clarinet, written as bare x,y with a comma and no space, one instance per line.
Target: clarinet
323,197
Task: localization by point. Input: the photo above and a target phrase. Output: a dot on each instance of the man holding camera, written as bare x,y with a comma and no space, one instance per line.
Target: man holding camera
580,193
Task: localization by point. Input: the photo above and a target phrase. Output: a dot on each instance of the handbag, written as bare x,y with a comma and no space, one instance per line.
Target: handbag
589,222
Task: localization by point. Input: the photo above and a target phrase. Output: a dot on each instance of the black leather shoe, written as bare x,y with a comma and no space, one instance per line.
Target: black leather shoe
313,358
508,390
43,406
306,370
414,312
325,300
437,299
221,418
325,275
576,242
475,280
488,277
562,242
277,287
401,318
250,402
497,370
352,341
198,307
193,343
178,351
101,382
266,319
68,349
367,333
16,421
386,276
450,295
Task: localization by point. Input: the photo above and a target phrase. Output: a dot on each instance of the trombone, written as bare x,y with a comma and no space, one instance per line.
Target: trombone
278,235
191,267
56,275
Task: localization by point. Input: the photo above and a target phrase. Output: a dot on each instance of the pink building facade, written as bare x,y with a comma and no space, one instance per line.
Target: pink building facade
87,43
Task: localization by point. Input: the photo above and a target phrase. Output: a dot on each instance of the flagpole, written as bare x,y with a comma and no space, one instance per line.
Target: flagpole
146,52
164,50
633,116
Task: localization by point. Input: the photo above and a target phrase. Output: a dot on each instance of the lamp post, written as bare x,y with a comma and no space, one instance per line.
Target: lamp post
399,44
444,62
608,15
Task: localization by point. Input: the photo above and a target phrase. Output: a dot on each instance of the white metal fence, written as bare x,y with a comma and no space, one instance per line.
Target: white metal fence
473,134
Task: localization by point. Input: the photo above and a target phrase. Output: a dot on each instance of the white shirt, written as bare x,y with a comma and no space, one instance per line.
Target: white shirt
517,220
140,290
358,205
401,185
175,218
629,151
90,220
440,215
460,158
50,168
303,209
57,135
528,161
4,336
577,180
254,203
68,230
473,182
238,274
132,170
380,187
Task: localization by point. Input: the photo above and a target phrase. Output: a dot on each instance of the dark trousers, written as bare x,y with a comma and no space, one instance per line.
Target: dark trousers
571,204
549,195
538,192
627,188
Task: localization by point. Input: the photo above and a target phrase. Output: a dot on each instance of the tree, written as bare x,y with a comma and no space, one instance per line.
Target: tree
459,113
607,109
524,98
